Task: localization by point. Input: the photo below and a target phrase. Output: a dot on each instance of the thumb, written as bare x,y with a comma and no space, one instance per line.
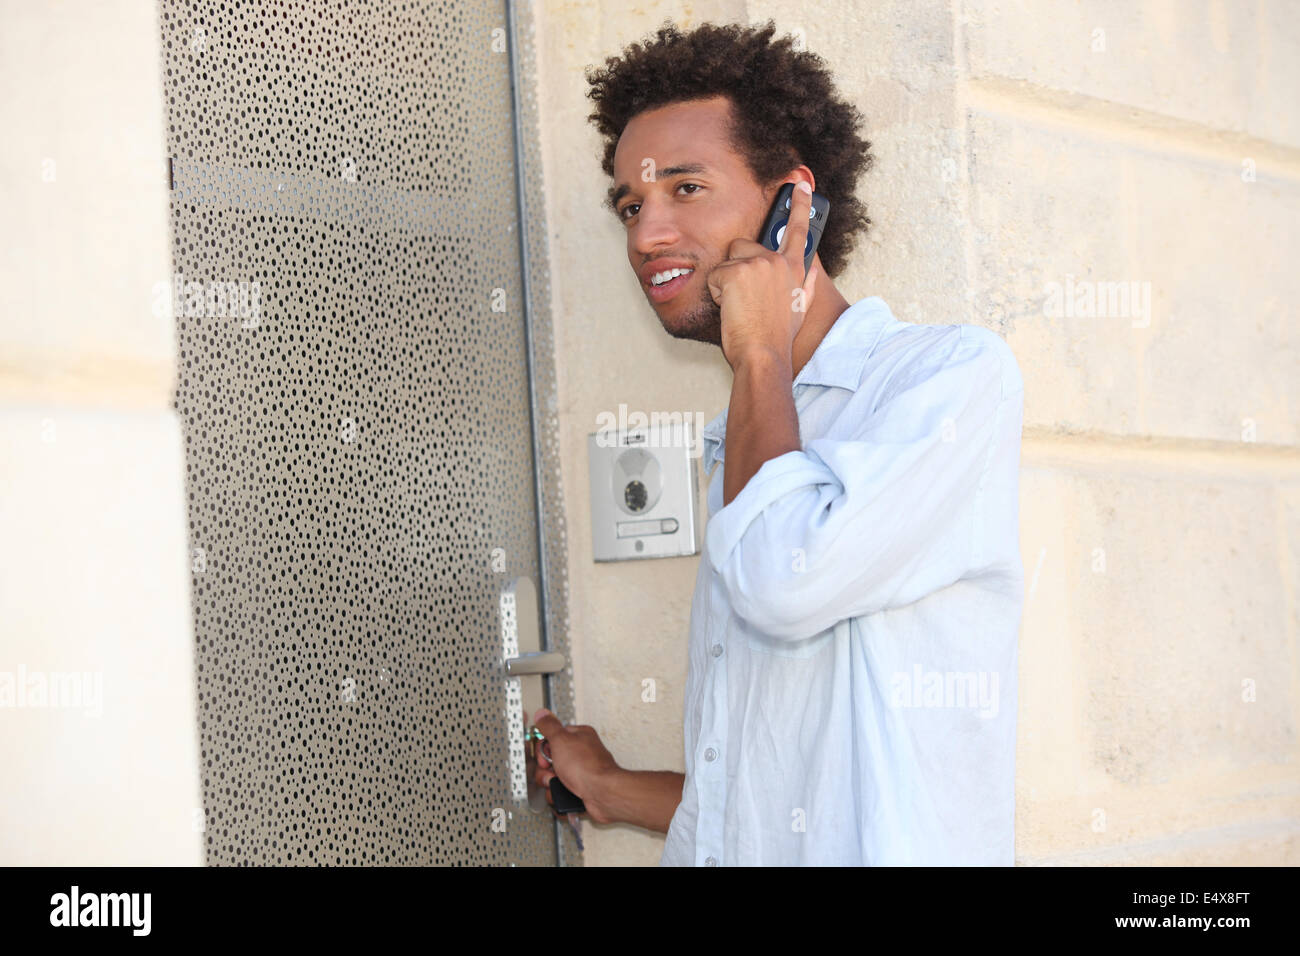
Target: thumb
810,280
809,285
547,723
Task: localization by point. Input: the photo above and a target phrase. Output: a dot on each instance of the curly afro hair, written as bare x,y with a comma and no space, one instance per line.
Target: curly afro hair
784,107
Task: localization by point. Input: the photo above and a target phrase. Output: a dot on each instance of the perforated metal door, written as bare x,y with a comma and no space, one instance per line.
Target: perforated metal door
352,267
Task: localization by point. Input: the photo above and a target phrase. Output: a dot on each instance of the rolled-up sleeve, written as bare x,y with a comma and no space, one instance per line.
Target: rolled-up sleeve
880,519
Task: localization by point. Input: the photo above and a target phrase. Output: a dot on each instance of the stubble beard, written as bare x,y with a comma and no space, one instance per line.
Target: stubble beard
700,322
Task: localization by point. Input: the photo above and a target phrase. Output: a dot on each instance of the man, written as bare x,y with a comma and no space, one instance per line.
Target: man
851,691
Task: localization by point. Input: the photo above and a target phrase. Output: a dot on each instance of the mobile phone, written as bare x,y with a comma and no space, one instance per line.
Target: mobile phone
779,216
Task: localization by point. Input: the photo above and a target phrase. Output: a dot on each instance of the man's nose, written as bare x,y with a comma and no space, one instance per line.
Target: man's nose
654,229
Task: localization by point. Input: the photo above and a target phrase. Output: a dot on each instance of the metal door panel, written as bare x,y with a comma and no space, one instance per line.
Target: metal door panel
352,269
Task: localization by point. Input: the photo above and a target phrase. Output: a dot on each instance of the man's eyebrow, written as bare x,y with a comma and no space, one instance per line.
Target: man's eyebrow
684,169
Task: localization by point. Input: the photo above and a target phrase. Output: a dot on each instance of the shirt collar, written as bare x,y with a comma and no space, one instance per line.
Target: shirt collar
837,361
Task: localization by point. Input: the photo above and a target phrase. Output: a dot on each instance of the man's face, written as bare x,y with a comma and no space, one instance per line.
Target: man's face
701,198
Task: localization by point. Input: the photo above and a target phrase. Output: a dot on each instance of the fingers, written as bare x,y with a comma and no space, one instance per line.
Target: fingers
809,288
742,248
795,239
717,280
543,774
547,723
550,726
810,280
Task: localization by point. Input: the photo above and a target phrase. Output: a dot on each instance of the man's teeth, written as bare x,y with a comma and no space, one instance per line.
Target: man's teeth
659,278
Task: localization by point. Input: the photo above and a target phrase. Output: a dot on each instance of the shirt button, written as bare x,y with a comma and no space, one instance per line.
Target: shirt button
710,754
717,650
710,862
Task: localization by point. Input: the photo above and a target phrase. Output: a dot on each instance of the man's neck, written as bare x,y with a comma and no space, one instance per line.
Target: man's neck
827,306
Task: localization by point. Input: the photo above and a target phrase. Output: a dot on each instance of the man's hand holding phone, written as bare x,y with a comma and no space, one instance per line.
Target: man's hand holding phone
764,293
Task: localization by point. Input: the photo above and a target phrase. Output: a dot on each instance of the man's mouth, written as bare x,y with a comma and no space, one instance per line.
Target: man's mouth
664,285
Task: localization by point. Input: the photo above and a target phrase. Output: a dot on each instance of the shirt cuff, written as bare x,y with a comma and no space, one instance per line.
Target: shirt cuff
776,478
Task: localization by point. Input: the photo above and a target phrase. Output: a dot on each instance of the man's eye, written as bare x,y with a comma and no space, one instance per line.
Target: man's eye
624,212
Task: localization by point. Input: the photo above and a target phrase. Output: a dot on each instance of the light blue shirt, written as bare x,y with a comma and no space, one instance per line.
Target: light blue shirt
851,685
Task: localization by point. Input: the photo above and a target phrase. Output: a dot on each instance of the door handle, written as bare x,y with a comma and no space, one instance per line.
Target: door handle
537,662
522,656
